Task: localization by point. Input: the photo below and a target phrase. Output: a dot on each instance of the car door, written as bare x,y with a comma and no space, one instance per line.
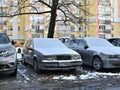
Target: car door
30,52
86,54
25,51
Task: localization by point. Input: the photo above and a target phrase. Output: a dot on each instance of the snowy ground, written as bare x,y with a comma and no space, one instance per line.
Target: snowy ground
87,79
83,79
88,75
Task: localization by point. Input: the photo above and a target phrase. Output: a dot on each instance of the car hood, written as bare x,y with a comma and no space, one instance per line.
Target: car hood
5,46
55,51
106,50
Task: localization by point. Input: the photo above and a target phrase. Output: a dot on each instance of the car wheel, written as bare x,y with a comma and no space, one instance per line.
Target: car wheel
35,66
14,74
97,63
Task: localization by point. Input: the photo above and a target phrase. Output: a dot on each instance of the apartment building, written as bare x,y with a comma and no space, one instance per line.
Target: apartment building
105,20
2,19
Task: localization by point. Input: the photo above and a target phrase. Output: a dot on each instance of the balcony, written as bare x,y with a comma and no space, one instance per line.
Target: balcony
105,21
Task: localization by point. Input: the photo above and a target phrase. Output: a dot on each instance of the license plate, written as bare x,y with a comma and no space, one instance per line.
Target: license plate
64,64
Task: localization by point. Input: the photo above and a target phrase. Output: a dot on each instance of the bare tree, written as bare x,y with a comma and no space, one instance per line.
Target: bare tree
63,6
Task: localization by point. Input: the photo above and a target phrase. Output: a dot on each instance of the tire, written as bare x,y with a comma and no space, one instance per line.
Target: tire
97,63
35,66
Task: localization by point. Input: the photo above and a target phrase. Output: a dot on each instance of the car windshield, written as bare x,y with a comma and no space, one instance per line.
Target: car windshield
98,42
4,38
48,43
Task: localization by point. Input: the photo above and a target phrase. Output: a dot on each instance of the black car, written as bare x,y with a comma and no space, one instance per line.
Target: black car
8,61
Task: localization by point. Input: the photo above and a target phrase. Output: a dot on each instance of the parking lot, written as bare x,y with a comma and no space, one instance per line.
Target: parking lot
83,79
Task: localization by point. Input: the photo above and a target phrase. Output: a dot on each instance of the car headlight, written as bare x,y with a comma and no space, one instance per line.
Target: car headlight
75,57
109,56
7,53
49,57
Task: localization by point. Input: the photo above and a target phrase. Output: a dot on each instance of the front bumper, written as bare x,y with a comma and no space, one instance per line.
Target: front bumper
60,65
8,64
111,63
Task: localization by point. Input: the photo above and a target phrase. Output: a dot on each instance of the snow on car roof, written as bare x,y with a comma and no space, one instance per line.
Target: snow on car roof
97,42
48,43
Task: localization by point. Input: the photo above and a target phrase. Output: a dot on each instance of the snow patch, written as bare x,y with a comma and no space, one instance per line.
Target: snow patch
62,77
89,75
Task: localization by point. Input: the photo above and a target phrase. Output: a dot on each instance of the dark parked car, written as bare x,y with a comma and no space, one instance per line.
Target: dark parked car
8,61
115,41
49,54
96,52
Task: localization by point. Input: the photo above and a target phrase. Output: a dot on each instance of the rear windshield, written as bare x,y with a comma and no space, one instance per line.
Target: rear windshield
4,38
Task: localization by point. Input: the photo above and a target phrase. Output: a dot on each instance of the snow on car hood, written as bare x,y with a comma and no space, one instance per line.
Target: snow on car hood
49,46
5,46
55,51
106,50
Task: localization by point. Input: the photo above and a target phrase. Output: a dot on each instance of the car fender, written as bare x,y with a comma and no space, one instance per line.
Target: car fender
96,54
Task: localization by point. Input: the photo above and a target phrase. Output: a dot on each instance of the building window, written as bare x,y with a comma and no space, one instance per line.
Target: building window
10,28
101,26
18,28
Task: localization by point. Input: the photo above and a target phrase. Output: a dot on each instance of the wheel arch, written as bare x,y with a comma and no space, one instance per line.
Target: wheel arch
100,60
94,57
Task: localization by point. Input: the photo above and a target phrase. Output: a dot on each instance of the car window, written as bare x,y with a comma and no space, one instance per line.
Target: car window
118,44
26,43
114,42
4,38
71,42
30,44
81,42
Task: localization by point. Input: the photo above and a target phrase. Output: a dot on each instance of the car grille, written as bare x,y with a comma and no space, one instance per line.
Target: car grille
5,66
63,57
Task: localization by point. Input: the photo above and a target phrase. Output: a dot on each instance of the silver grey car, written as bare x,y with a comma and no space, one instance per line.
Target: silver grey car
8,61
49,54
96,52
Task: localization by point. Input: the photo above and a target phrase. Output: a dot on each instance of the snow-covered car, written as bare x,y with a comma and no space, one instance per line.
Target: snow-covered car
50,54
96,52
8,62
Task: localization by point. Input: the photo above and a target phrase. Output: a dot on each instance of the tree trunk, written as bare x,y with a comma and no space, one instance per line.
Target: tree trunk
53,18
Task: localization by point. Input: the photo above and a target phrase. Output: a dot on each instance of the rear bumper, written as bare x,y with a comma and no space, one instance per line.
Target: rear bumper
60,65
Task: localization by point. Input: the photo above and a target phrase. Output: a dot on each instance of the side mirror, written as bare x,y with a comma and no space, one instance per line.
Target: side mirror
30,49
85,46
13,42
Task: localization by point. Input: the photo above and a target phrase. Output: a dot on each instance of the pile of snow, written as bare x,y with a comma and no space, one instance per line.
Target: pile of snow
89,75
62,77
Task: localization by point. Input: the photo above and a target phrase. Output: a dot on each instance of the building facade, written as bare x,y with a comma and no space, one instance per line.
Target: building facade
102,20
105,20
